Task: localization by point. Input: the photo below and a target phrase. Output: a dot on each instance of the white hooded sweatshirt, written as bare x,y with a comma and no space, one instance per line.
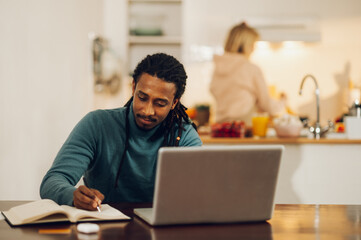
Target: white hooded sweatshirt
240,90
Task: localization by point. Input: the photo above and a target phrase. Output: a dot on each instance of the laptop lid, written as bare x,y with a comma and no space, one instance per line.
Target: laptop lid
215,184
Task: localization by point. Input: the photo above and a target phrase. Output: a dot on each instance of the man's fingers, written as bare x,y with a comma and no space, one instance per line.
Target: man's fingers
86,191
85,206
86,198
98,194
80,199
89,196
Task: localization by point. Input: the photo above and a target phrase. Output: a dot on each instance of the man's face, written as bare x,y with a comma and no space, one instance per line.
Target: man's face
153,99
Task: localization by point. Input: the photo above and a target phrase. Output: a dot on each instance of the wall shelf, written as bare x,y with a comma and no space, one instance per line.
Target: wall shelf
164,16
163,40
155,1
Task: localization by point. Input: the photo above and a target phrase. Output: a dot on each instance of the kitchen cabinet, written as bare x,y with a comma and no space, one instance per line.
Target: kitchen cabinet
324,171
154,26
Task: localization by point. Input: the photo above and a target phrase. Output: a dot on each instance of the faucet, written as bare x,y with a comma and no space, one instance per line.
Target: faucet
316,129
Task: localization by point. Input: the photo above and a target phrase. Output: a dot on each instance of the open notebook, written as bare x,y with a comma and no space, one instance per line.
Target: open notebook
214,184
46,210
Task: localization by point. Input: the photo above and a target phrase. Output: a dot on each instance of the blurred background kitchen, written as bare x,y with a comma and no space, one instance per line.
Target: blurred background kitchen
62,59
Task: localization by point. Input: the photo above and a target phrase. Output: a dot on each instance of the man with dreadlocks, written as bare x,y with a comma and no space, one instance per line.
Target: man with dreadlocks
116,150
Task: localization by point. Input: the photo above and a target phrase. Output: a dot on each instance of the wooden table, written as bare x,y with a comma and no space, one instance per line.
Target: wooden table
295,221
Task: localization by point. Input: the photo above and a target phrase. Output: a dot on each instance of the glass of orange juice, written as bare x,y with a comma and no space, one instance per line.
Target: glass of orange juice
259,125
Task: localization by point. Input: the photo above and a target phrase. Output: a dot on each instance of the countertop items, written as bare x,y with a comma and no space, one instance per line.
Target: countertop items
353,127
288,126
210,140
228,129
316,129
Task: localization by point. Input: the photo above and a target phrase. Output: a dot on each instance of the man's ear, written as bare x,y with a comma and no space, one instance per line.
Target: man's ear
133,87
175,101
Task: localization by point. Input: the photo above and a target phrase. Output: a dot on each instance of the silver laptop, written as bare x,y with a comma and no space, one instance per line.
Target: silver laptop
214,184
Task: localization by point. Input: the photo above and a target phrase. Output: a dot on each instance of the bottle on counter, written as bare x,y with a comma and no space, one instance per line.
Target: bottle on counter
355,109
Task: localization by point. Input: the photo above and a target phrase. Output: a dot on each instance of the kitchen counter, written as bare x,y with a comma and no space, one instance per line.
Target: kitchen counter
206,139
324,171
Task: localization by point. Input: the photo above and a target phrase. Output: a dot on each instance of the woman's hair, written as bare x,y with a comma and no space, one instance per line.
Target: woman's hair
241,39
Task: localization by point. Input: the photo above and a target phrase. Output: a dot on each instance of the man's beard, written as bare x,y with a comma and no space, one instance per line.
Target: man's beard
146,118
151,119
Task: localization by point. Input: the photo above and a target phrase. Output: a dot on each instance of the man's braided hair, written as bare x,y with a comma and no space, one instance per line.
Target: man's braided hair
169,69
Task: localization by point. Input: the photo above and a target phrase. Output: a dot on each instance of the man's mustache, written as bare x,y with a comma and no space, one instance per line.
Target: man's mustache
146,118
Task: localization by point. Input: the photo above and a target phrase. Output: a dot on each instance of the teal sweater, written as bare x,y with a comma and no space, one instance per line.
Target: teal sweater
94,150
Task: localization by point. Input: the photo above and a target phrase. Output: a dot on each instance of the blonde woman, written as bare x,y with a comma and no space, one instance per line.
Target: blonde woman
237,84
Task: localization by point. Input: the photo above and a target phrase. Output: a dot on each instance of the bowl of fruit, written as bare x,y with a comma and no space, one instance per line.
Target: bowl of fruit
228,129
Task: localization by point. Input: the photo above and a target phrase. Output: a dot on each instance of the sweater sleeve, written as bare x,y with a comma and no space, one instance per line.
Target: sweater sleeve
190,137
71,162
264,101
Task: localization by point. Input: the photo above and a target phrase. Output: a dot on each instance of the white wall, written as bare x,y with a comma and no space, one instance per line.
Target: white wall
45,85
115,30
333,61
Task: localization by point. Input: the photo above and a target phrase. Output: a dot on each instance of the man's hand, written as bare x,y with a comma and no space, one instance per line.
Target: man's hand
87,198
